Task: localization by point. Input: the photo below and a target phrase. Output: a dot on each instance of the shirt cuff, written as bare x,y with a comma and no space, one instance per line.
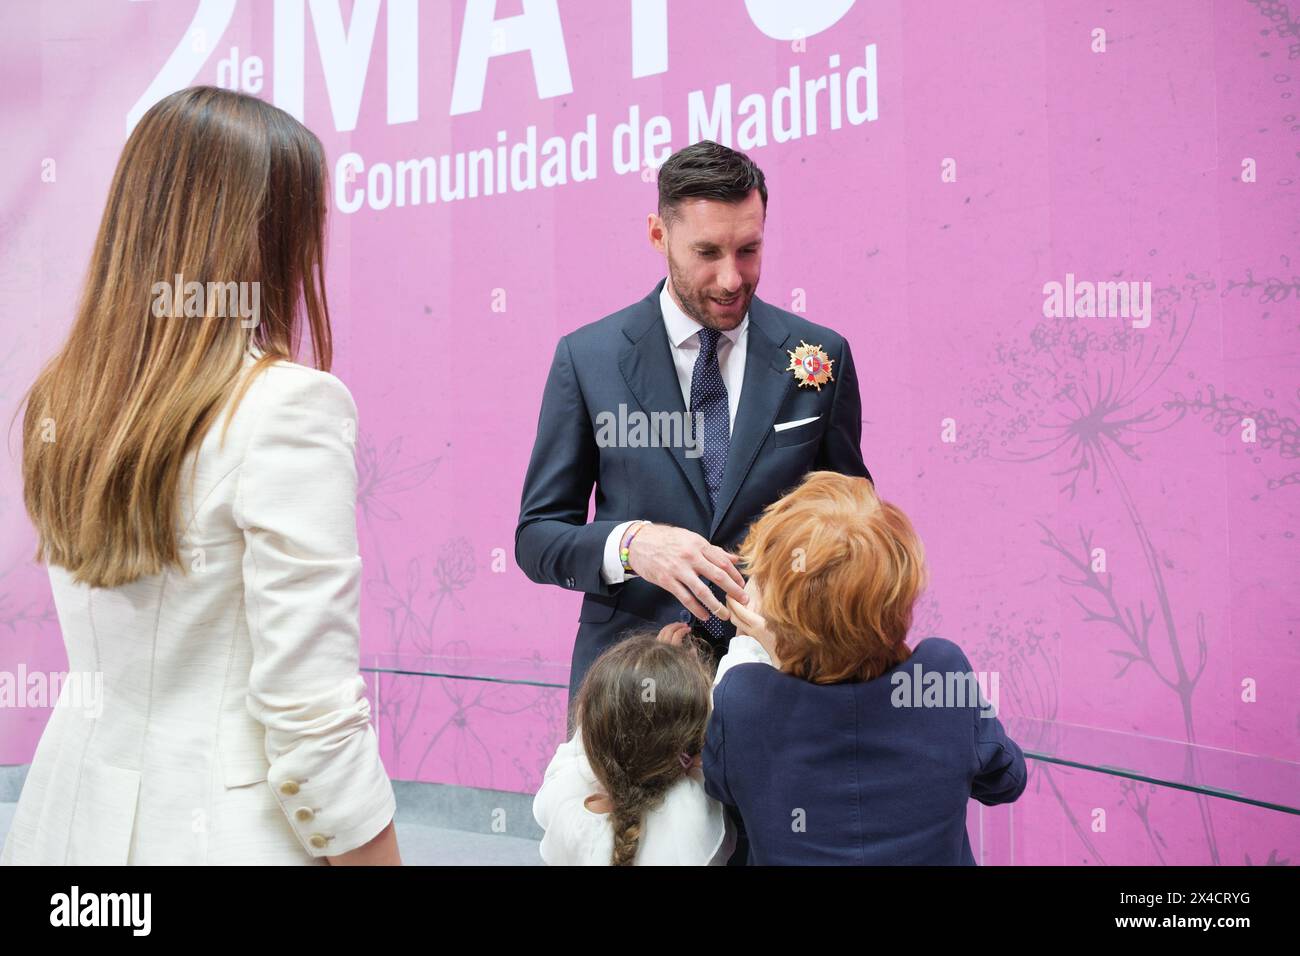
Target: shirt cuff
611,569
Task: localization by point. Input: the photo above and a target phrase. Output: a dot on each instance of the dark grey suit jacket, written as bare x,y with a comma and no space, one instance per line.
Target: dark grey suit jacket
626,358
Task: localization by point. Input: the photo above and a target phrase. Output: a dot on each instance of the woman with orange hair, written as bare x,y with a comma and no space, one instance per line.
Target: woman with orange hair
820,734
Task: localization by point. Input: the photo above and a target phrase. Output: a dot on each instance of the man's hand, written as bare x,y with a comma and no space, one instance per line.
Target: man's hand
679,561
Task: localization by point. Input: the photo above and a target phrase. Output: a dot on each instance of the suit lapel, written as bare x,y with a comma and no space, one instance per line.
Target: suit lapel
646,362
764,390
647,366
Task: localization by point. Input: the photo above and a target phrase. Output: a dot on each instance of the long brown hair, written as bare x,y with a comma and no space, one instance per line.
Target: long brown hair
215,187
641,706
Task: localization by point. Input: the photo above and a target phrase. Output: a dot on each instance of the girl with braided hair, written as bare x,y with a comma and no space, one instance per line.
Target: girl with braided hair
627,789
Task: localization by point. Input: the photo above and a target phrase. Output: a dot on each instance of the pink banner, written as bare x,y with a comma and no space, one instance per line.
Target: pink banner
1059,237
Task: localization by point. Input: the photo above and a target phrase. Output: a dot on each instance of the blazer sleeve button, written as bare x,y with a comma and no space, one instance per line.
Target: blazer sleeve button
317,841
289,788
304,814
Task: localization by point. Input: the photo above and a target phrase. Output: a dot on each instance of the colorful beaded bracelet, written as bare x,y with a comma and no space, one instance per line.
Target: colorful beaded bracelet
624,551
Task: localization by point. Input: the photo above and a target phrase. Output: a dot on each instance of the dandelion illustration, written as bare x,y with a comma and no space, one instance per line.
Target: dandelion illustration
1137,797
1083,394
1226,413
1271,861
1029,664
1286,26
1270,289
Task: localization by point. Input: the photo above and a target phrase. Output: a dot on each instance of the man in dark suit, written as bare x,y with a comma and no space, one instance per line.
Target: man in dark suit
688,412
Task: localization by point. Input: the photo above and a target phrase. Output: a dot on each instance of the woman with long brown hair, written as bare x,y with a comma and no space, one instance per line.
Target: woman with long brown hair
194,493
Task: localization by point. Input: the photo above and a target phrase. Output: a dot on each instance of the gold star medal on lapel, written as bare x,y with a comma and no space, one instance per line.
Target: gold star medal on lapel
811,366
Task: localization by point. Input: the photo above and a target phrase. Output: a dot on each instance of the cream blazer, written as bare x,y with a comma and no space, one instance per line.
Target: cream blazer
232,725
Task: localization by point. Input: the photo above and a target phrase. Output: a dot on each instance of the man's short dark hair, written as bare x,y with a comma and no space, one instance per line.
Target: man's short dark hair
707,170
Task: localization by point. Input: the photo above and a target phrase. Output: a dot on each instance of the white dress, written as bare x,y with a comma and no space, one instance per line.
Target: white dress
689,828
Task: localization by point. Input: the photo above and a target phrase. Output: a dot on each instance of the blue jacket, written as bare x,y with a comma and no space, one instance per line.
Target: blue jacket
625,359
843,774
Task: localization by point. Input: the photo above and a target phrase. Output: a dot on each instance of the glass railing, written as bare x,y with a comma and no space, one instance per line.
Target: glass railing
1261,781
532,671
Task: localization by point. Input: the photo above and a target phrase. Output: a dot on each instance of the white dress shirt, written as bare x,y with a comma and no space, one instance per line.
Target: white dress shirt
683,336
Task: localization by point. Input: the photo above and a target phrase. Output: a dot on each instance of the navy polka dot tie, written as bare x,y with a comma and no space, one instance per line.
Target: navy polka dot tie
709,397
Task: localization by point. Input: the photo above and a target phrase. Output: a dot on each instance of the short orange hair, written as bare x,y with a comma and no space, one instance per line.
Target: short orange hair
838,571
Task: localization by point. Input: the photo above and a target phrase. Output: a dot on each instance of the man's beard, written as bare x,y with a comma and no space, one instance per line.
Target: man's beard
696,303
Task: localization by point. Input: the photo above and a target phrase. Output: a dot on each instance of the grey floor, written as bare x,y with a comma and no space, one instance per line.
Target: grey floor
423,843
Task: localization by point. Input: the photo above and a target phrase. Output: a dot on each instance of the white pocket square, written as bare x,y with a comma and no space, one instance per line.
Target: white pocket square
782,426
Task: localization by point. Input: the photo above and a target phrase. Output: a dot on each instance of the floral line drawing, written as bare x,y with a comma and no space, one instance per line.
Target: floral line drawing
401,699
1284,25
1271,289
1081,392
1227,413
